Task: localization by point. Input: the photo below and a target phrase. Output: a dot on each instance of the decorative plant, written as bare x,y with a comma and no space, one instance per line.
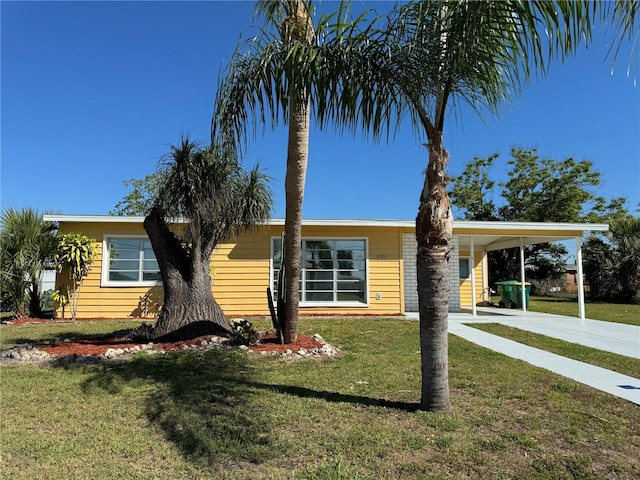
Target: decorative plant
245,332
60,298
74,255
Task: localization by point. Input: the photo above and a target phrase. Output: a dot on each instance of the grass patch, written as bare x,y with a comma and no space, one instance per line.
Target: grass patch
611,361
228,415
567,305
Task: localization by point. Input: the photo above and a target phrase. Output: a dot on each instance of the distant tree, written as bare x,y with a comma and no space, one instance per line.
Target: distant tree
141,197
537,190
217,199
612,261
74,254
27,245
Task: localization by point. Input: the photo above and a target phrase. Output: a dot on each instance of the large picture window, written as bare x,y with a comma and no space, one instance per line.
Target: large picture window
129,261
333,271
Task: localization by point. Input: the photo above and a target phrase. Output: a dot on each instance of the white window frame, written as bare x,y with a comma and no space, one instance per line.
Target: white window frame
335,303
106,260
469,269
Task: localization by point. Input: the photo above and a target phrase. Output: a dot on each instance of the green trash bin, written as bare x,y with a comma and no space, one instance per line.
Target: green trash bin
511,293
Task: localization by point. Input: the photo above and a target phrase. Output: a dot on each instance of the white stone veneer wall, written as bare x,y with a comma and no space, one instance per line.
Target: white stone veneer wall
409,246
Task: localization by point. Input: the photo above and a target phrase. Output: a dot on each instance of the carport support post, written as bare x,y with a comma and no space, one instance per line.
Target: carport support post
581,312
472,261
524,293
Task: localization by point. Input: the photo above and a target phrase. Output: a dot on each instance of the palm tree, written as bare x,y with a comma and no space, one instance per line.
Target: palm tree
287,77
625,233
217,199
440,54
612,261
430,57
27,246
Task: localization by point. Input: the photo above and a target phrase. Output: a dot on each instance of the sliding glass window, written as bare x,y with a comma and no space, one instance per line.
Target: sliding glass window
333,270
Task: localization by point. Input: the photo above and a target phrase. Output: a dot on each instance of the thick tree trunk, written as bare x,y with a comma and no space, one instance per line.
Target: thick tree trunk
297,156
434,227
189,309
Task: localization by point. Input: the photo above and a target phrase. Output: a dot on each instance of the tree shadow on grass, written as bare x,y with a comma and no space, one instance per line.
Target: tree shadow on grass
210,404
336,397
201,402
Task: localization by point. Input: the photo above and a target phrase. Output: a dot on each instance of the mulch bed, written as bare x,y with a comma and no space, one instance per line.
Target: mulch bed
98,345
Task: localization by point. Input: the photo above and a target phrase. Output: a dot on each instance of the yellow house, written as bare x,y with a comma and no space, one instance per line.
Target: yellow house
351,267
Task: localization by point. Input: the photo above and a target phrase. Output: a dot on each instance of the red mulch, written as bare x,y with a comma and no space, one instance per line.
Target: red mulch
269,342
99,344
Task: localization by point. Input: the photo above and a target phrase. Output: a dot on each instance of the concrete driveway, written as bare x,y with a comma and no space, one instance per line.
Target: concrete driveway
611,337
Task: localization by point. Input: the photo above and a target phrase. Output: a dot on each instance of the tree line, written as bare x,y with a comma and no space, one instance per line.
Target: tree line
540,189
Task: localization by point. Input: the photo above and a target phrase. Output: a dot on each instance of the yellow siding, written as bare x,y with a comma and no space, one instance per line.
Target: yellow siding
465,285
241,272
96,301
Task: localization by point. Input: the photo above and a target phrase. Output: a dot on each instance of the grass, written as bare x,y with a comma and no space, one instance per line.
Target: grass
611,361
230,416
563,304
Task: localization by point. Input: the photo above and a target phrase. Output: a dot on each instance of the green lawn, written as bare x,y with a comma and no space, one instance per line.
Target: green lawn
230,416
563,304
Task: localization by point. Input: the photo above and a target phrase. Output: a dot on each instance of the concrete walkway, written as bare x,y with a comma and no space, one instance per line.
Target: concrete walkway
611,337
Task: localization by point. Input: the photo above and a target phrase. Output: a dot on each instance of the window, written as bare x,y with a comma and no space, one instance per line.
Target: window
333,271
464,268
129,261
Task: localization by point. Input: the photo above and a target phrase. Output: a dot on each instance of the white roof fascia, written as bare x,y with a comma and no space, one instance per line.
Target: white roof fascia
502,226
489,227
273,221
99,218
92,218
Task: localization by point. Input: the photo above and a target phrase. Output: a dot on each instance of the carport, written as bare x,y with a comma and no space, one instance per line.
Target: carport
490,236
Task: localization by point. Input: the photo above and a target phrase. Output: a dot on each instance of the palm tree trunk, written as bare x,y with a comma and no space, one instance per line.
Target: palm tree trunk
35,309
297,157
301,30
434,227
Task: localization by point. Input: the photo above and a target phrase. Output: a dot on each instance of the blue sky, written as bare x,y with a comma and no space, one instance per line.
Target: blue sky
92,93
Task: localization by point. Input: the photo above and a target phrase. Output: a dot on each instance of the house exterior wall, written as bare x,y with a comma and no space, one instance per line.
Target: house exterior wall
241,272
409,248
464,285
95,300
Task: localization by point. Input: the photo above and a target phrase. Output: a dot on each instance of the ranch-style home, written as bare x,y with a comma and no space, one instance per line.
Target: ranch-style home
350,267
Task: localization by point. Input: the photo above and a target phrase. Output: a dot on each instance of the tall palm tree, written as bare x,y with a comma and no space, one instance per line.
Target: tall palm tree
217,199
430,57
440,54
286,77
27,247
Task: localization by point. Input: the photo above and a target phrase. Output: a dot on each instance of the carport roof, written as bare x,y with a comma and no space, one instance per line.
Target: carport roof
499,235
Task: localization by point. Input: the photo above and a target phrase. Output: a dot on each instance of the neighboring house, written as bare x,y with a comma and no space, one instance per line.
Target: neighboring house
350,267
571,278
